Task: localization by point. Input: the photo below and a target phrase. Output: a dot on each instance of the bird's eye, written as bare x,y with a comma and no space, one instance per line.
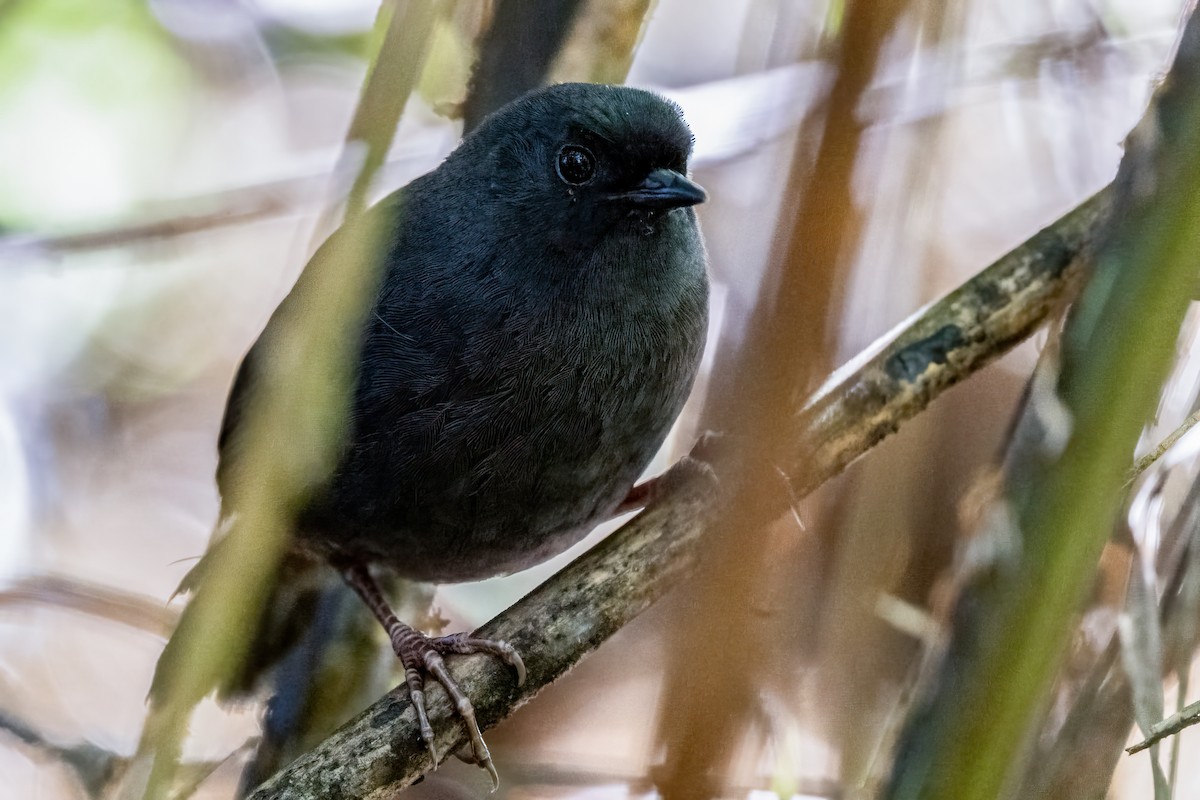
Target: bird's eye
576,165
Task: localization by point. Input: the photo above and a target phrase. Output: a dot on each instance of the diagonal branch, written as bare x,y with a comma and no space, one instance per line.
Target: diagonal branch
572,613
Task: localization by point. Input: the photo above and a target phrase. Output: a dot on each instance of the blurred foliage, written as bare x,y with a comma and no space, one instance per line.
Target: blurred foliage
291,425
602,44
448,67
1072,449
288,43
980,124
94,98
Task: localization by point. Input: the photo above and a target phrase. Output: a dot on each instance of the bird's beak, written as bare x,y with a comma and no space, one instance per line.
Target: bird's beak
662,189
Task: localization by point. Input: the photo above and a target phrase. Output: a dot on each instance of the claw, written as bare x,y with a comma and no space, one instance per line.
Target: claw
462,704
422,657
416,693
516,663
495,776
466,755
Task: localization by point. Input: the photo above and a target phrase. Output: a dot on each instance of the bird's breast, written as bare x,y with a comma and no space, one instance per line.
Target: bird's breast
566,399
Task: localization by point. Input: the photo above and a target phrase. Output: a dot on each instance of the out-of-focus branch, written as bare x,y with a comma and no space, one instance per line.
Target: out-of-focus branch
710,698
516,52
236,207
94,767
1063,486
299,195
135,610
572,613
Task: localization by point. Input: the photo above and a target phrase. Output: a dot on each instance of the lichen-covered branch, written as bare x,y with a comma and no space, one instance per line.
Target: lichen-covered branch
971,327
577,609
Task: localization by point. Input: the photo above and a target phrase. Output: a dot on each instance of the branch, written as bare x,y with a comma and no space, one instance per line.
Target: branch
1177,722
380,751
896,378
1145,462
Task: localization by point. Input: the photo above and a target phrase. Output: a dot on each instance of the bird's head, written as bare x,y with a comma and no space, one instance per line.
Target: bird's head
585,162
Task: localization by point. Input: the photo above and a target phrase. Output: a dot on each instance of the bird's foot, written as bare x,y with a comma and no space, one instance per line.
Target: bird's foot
422,656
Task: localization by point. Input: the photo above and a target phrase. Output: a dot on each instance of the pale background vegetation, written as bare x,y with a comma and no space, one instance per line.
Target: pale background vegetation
162,163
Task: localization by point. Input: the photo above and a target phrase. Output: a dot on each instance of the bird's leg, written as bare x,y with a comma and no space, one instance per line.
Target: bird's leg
421,656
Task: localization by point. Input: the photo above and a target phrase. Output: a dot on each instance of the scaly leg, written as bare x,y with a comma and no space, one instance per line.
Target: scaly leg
422,656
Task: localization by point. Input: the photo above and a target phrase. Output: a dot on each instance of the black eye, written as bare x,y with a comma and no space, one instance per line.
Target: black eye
576,165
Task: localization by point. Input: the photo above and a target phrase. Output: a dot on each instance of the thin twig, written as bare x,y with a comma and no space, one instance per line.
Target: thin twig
134,610
1185,718
1143,463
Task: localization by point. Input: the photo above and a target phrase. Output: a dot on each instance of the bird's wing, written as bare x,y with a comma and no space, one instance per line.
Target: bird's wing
386,214
428,353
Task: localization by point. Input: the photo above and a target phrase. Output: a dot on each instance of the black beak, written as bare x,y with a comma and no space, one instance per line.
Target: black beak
662,189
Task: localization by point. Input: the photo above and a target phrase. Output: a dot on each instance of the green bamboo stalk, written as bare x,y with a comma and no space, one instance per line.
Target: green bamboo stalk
969,739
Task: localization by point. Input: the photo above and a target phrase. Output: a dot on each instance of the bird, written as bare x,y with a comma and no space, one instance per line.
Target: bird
540,316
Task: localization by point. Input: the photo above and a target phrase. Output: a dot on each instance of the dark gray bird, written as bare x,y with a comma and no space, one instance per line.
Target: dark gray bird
540,318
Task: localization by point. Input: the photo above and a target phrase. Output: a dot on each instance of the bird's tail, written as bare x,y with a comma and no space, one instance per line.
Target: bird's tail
285,619
315,656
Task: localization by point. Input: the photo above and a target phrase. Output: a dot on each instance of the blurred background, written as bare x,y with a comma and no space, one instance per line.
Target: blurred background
163,164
